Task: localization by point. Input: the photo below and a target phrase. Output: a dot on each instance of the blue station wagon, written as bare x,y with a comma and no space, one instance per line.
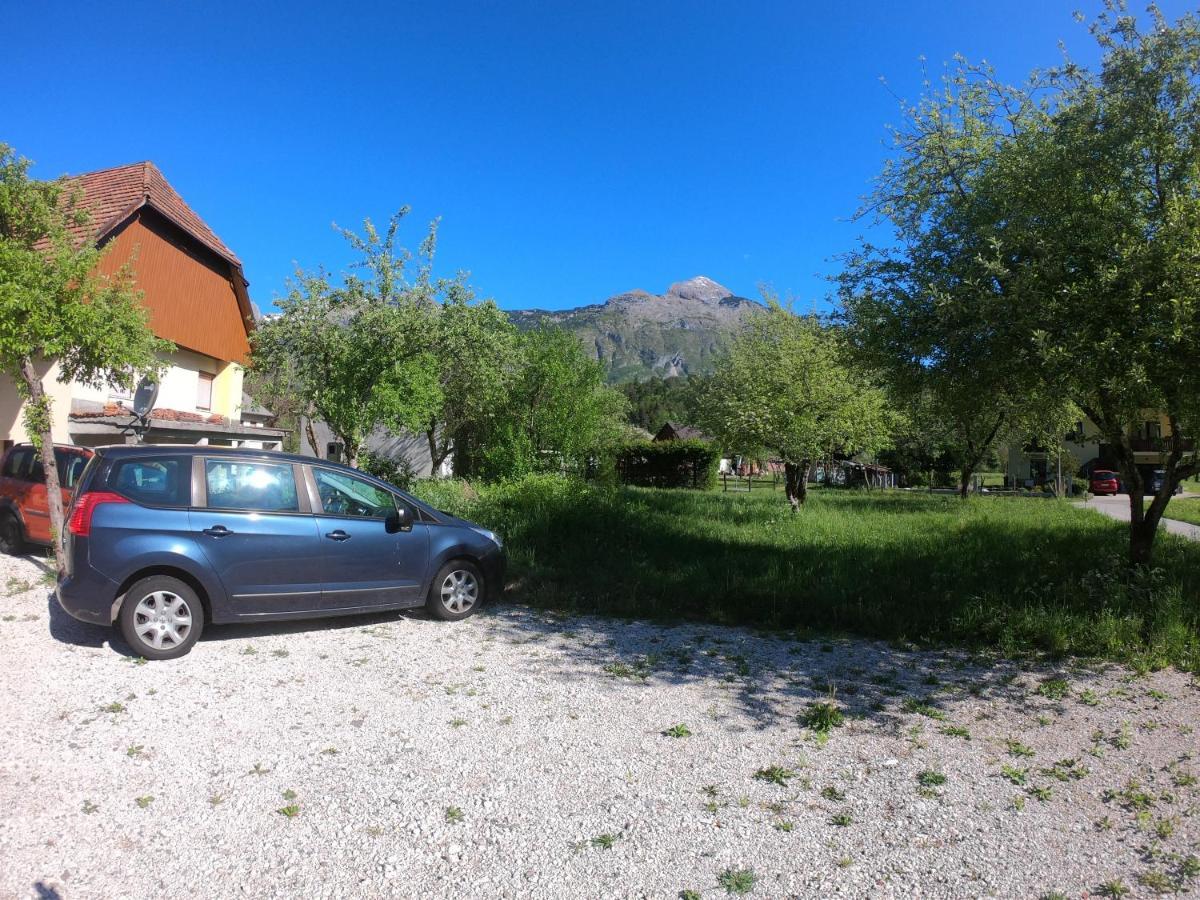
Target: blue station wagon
163,539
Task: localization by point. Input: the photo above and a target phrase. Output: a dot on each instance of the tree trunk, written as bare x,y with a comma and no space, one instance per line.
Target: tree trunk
964,481
37,419
351,450
311,434
795,477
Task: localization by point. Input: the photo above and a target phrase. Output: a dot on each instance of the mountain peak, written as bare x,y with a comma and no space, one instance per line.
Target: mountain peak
700,288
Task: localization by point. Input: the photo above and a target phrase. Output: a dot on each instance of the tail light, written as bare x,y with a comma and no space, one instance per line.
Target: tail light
80,523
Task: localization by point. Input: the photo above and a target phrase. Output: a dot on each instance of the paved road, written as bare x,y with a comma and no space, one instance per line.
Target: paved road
1118,508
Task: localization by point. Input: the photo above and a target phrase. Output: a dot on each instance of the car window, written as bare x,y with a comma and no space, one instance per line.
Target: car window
258,486
16,465
347,495
156,481
70,467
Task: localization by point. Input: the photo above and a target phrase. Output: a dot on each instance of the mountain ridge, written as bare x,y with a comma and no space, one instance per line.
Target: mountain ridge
637,334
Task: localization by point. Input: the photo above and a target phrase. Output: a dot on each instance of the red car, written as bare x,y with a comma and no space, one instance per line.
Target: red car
24,506
1105,482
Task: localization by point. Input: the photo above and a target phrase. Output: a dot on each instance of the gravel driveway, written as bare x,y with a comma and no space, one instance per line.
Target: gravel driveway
520,755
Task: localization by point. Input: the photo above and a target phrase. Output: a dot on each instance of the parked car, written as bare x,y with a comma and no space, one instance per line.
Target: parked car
165,539
24,503
1156,482
1104,482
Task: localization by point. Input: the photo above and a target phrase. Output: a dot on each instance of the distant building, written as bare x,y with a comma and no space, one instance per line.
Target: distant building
673,431
194,290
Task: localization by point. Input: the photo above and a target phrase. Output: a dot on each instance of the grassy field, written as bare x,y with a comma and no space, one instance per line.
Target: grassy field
1013,574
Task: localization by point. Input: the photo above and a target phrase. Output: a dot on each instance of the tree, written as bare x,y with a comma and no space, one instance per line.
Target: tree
933,310
655,400
385,349
55,307
1110,190
787,386
561,414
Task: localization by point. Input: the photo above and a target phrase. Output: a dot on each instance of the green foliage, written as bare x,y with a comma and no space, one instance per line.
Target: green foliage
654,401
669,464
788,387
822,717
988,572
393,470
559,415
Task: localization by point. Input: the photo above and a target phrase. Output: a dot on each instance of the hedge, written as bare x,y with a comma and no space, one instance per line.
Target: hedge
670,464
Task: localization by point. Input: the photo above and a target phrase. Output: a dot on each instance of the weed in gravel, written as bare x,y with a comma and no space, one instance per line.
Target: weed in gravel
289,794
1114,888
454,814
1089,698
689,894
143,802
1183,779
138,660
923,707
280,653
1053,895
457,723
841,820
330,751
1054,688
782,825
115,707
844,862
1122,739
956,731
822,717
1016,748
832,793
1018,803
1042,794
1067,770
1164,828
249,651
605,841
134,751
1013,774
215,800
678,731
290,811
89,807
930,778
18,585
775,775
1103,824
258,769
737,881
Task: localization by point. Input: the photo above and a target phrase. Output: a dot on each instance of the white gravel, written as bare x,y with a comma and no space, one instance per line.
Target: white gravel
379,725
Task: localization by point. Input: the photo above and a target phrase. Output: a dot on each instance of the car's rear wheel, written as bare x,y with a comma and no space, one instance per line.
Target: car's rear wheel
456,591
161,617
12,541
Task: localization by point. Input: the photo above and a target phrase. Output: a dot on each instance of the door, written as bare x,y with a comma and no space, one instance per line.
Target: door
365,563
31,480
260,536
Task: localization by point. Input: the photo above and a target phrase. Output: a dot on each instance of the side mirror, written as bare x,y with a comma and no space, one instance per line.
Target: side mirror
400,520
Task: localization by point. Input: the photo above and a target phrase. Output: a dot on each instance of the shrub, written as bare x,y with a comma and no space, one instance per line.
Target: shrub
669,464
398,471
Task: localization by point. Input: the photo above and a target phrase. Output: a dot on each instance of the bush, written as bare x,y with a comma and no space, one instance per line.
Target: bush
669,464
398,471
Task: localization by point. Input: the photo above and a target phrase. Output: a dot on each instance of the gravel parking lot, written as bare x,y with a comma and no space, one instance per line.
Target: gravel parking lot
522,755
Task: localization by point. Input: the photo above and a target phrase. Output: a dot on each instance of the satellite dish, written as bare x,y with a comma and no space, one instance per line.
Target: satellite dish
143,399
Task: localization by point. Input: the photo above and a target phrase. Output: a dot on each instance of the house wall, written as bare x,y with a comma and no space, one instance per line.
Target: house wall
186,288
413,449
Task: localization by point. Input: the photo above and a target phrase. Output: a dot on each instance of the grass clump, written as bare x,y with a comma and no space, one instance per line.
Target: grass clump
737,881
678,731
775,775
822,717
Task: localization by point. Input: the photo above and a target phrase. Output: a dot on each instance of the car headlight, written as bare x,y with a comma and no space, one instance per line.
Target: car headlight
490,535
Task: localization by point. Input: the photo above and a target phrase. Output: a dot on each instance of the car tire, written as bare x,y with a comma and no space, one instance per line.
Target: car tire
12,539
457,591
161,617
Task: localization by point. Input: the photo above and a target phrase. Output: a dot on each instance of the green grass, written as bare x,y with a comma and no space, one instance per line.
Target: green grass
1013,574
1183,510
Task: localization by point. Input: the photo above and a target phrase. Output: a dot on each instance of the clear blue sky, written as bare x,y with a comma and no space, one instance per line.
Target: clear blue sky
573,150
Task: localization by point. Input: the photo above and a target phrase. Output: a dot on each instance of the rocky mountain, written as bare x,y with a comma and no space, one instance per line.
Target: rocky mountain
638,334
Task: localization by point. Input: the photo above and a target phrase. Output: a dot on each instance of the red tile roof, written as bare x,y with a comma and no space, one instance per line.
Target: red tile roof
112,195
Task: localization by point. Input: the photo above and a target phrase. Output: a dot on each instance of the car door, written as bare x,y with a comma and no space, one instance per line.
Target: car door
34,504
257,530
367,562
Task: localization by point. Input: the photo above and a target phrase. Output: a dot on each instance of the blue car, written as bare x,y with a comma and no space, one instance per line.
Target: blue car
162,540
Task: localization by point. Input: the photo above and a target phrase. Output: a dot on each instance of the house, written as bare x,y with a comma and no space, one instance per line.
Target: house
672,431
1033,464
194,289
407,451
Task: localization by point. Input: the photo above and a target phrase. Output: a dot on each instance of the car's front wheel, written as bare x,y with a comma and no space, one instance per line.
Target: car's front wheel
456,591
161,617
